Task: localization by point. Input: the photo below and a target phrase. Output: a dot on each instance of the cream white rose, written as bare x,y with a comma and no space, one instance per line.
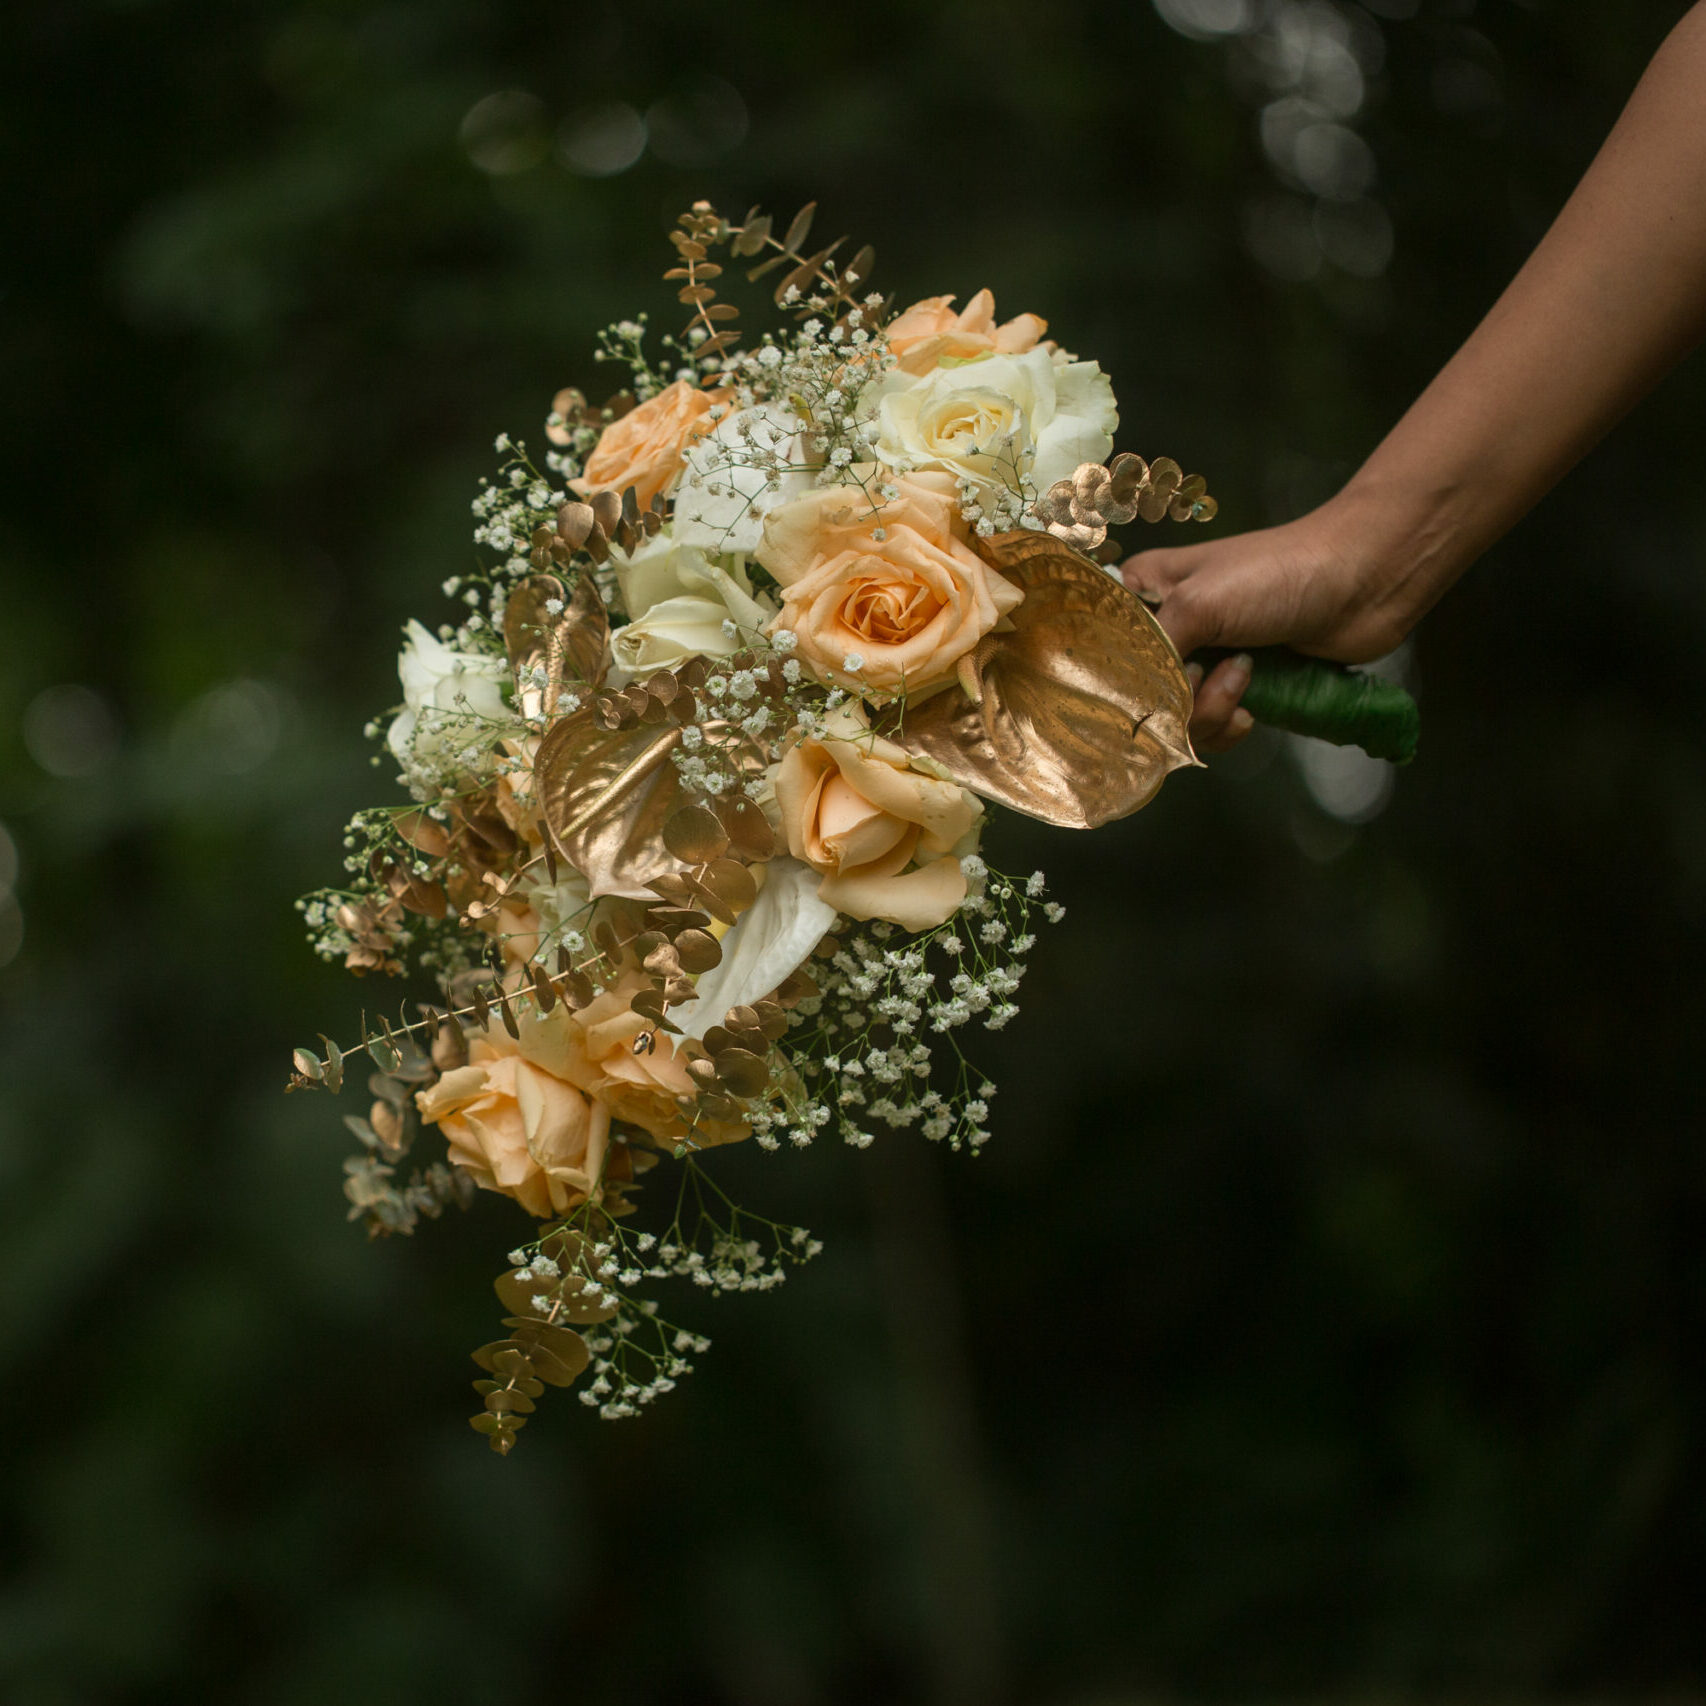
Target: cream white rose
679,599
752,462
1000,421
449,699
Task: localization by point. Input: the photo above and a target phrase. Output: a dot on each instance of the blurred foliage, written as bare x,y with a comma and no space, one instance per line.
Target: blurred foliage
1326,1316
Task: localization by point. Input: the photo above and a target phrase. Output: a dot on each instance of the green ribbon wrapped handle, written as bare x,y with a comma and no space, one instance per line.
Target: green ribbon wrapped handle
1329,701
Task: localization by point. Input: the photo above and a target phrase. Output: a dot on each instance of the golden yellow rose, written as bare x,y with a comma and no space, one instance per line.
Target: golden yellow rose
853,809
516,1123
898,588
930,332
646,448
645,1089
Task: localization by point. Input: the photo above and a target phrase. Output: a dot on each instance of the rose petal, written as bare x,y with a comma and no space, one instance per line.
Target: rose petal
919,900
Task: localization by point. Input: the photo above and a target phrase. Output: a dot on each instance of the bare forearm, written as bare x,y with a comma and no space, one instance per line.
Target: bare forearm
1614,295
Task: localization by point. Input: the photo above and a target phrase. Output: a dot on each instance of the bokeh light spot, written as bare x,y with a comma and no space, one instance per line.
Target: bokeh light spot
1343,780
506,133
1332,162
1207,20
603,142
231,728
70,731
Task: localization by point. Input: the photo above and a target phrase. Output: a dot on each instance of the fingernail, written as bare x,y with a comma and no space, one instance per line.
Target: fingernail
1242,666
1240,722
1193,674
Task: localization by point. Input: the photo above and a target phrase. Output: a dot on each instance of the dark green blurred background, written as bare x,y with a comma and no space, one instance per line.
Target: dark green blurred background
1326,1318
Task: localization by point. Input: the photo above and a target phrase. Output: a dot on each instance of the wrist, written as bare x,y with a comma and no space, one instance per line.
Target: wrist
1402,546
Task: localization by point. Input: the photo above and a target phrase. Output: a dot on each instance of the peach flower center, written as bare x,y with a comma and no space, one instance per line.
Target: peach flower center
851,830
887,611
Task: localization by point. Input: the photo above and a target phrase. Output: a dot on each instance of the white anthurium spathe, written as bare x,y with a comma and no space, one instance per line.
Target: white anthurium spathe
751,462
679,598
449,699
999,421
773,937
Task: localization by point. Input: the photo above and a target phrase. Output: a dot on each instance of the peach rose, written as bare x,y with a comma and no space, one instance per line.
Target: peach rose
899,587
516,1123
853,809
930,331
646,448
645,1089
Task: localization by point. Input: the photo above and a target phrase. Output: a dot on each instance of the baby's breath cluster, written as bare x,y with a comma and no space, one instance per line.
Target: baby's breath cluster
636,1353
878,1045
508,511
745,702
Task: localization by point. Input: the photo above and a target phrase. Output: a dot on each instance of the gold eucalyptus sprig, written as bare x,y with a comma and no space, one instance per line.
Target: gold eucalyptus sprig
699,228
813,283
541,1349
816,269
1079,510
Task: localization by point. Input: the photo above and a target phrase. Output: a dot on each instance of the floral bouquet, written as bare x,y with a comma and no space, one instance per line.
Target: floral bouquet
698,781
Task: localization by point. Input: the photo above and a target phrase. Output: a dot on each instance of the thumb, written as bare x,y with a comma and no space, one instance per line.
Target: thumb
1190,620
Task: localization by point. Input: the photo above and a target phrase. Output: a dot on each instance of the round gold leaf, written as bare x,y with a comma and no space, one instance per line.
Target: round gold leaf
741,1072
749,831
502,1357
698,951
732,883
695,836
559,1359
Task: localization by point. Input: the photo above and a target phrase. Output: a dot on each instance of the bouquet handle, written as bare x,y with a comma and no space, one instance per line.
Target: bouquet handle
1329,701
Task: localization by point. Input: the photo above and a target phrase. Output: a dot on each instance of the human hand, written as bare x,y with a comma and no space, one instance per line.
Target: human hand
1327,584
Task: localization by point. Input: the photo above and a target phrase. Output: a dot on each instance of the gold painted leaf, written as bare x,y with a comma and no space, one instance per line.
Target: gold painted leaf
695,835
524,1384
748,829
1084,703
698,951
606,795
742,1072
502,1356
571,645
731,882
554,1354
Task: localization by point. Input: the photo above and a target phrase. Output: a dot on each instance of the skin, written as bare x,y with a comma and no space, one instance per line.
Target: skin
1613,297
